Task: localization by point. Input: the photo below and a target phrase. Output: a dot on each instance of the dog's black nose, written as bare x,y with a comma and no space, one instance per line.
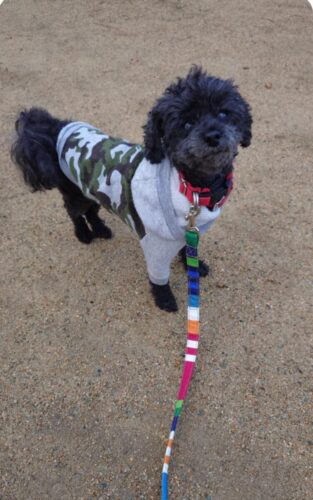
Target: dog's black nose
213,137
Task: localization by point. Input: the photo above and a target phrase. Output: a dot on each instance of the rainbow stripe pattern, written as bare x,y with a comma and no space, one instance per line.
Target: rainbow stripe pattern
191,351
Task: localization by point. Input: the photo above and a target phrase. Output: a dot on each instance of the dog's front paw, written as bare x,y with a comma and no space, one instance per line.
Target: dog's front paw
163,297
83,233
203,269
102,231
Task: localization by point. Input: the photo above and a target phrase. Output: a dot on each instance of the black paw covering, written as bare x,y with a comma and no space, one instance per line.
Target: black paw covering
163,297
102,231
83,233
203,269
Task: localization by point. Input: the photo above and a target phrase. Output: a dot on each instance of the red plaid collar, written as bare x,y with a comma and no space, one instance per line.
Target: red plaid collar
206,195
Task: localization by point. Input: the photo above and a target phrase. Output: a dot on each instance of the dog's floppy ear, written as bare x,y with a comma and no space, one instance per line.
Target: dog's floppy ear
246,126
157,126
153,134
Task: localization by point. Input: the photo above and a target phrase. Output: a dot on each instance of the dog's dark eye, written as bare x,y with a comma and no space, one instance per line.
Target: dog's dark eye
223,114
187,126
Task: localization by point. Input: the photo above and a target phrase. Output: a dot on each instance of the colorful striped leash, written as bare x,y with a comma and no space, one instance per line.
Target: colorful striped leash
192,240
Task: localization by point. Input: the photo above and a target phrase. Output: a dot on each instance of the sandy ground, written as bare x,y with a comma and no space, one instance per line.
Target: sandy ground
89,367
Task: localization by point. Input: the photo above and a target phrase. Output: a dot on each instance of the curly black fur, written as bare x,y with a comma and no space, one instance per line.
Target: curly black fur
34,152
198,123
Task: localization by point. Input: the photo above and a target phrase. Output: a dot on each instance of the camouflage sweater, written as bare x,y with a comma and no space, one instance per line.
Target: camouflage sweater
115,174
102,167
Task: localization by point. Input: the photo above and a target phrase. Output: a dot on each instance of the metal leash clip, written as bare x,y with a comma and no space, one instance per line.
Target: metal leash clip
193,212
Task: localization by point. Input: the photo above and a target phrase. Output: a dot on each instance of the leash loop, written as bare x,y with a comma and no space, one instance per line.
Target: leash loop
194,210
192,236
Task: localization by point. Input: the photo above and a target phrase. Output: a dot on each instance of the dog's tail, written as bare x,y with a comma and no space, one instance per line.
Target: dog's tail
34,150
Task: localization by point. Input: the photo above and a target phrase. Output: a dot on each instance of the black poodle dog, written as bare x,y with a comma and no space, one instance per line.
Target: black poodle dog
191,138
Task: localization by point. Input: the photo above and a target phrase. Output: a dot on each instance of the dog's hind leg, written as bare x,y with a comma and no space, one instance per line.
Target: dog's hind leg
76,206
99,229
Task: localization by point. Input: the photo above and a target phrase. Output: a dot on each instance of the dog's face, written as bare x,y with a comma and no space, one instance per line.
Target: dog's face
198,124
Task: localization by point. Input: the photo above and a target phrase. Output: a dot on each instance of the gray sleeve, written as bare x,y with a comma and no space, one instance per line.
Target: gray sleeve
159,254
